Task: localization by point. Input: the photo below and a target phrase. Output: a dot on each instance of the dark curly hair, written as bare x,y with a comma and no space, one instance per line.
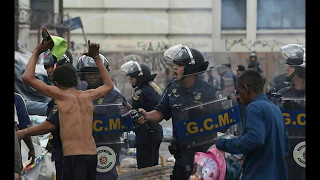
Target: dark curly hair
65,75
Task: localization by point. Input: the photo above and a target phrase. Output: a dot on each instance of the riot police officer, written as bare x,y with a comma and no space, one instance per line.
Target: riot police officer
253,58
112,104
183,98
294,55
146,95
291,100
296,89
255,66
226,78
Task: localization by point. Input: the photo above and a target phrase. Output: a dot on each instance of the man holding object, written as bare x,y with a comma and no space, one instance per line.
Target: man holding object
75,111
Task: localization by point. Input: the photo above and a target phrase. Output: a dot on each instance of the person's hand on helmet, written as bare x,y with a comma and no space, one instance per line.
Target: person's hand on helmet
44,46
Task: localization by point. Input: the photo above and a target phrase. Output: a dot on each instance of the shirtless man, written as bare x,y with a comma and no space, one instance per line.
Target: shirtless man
75,111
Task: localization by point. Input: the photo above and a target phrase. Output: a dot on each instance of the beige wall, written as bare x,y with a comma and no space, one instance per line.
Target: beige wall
149,27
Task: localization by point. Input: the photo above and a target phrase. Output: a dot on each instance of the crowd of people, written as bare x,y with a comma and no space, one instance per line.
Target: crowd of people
82,93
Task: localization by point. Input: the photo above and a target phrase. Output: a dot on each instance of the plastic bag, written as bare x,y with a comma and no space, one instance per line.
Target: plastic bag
210,165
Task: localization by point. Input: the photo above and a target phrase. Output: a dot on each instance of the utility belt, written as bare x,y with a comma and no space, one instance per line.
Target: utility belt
175,148
146,127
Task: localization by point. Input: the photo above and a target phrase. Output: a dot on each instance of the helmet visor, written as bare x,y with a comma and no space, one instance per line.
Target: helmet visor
132,68
178,53
87,63
292,51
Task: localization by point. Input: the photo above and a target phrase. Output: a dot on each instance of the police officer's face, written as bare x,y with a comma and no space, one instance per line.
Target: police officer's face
178,71
49,70
92,78
133,81
289,70
252,59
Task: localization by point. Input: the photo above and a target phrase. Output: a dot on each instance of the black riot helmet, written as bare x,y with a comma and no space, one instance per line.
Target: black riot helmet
138,70
87,64
295,56
253,54
192,59
66,58
293,53
49,60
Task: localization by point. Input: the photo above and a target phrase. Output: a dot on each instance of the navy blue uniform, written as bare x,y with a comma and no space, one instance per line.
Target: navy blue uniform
291,92
24,120
296,135
149,135
226,79
276,84
57,154
112,141
173,100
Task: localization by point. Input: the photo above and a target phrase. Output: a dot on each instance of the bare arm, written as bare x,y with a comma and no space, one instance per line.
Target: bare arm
29,75
26,134
43,128
107,81
31,154
154,116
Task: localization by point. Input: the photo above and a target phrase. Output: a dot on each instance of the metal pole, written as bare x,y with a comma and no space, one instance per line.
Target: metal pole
39,34
68,37
84,36
61,10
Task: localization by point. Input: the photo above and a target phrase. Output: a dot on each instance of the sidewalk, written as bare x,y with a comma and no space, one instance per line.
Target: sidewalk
154,172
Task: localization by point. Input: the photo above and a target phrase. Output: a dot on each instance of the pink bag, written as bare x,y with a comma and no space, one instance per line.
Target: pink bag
210,165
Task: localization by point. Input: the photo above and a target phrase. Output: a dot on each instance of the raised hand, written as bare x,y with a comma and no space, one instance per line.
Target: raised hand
44,46
93,50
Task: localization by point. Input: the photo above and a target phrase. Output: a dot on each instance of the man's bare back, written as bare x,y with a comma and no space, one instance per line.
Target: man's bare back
75,106
76,112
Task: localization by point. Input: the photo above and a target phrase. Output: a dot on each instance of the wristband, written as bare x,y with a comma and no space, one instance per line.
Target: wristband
96,56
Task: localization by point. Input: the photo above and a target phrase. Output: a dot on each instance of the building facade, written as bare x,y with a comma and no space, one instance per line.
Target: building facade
225,31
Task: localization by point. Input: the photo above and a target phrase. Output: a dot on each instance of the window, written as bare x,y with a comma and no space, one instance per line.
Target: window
42,5
42,13
233,15
281,14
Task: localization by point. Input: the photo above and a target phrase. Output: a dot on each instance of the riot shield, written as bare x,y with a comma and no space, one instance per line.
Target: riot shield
293,110
287,90
200,109
109,125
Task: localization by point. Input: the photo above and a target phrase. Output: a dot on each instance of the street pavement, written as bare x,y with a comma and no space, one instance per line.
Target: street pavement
162,171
